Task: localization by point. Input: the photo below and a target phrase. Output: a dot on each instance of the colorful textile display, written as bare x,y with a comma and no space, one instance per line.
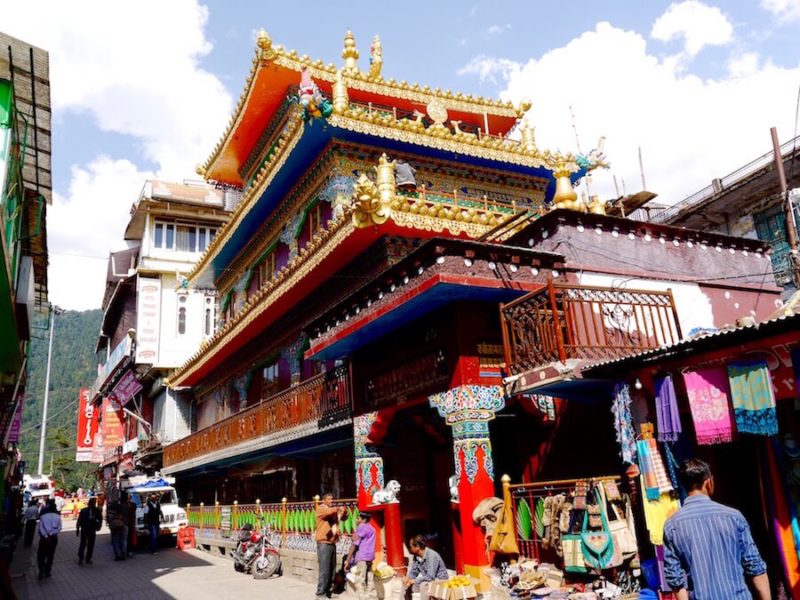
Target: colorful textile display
782,520
656,513
648,471
707,390
662,479
752,397
672,468
668,418
623,422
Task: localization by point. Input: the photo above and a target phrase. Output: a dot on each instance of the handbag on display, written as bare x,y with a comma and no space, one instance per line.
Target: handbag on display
571,545
598,549
621,536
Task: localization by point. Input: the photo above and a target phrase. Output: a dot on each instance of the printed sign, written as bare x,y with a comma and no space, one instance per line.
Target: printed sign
148,318
16,424
87,427
127,387
112,424
225,520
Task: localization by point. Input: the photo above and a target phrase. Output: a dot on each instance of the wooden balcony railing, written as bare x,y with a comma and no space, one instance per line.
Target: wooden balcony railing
323,399
564,321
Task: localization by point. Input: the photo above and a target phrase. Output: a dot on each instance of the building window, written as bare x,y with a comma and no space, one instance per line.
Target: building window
183,238
265,270
231,308
270,380
208,321
314,220
181,315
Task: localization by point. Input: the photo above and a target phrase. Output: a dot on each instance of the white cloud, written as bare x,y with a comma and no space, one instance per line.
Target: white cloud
89,221
488,68
785,10
691,130
135,68
698,24
743,65
495,30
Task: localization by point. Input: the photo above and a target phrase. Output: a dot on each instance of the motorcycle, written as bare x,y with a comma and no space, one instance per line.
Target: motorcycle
254,553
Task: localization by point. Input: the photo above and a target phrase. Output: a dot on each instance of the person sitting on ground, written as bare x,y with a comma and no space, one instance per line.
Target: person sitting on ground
426,566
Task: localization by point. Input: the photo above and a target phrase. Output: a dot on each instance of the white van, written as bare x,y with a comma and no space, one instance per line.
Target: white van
140,488
38,486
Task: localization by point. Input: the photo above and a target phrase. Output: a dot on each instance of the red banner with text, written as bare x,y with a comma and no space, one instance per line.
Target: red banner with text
113,434
87,427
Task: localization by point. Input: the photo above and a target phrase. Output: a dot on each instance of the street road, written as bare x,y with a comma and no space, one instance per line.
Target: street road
171,573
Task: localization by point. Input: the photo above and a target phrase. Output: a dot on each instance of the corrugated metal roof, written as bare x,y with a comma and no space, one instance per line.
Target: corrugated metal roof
791,319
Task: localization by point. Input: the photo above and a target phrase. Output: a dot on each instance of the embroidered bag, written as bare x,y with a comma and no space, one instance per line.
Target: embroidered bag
573,553
598,550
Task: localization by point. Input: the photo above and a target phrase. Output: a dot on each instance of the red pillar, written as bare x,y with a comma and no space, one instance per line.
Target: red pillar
468,410
394,537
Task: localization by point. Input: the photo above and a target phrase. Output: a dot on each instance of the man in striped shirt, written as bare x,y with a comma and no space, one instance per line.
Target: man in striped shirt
708,547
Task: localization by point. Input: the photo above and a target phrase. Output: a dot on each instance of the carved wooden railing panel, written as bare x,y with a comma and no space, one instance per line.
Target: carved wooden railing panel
323,399
564,321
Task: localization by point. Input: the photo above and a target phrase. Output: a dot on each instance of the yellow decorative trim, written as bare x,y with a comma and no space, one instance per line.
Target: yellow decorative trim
286,143
373,82
271,292
504,150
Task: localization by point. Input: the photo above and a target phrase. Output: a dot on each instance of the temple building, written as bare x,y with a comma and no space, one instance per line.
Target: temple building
409,290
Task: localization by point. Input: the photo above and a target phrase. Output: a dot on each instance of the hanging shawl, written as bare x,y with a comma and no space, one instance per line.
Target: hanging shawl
656,513
648,471
752,397
623,423
662,479
667,415
672,469
707,390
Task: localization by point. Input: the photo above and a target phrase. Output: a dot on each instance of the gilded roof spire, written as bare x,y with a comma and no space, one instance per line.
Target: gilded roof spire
350,53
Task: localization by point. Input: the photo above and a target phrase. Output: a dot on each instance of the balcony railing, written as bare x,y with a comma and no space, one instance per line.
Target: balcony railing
564,321
291,525
322,400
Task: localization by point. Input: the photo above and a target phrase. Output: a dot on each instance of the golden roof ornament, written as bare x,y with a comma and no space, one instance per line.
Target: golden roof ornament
528,136
265,43
341,100
350,53
524,106
437,111
565,196
375,59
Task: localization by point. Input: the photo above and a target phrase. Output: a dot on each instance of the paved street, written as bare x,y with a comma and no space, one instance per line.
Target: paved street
169,574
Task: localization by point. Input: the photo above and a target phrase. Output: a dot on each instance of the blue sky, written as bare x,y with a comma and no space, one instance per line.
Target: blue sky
144,89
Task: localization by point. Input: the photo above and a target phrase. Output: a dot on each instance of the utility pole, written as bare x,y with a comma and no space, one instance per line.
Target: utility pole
46,391
791,226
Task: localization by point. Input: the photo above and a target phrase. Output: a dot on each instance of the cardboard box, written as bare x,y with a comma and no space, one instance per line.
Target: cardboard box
440,591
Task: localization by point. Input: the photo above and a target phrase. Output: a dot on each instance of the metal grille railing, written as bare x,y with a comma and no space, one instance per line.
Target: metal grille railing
564,321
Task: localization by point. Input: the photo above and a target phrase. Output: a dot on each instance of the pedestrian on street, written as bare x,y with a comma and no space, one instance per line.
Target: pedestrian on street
708,547
90,520
362,555
327,534
49,528
426,566
30,517
132,537
117,524
153,518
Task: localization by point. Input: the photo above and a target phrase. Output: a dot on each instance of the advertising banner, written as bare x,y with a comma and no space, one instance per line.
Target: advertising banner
127,387
148,318
87,427
16,424
113,434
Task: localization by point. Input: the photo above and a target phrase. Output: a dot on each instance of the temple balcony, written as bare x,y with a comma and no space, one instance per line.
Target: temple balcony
551,333
319,404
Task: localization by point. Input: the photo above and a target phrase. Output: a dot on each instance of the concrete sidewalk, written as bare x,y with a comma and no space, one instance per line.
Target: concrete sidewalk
171,573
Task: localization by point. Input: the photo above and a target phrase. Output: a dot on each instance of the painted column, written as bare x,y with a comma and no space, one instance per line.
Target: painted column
468,410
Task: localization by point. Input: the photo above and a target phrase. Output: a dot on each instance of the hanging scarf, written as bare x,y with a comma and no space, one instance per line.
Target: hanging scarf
672,469
648,471
662,480
667,416
752,397
656,513
623,422
707,390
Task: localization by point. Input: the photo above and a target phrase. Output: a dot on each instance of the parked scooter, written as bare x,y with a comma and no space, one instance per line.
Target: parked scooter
254,553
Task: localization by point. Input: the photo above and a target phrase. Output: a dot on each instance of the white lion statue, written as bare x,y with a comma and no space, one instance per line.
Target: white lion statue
388,495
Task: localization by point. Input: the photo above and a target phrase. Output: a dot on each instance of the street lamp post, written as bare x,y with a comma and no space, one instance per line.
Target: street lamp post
54,311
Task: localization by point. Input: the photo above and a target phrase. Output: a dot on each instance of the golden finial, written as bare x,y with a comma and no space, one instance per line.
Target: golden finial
528,136
341,102
565,196
265,43
350,53
200,170
524,106
375,58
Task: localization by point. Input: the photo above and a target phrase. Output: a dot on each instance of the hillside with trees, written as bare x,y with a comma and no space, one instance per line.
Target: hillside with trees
73,366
